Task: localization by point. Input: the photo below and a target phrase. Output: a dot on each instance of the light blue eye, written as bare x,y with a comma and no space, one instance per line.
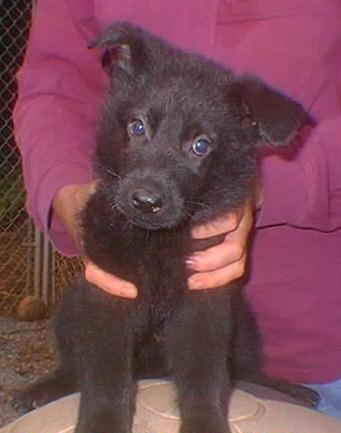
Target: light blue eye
136,127
201,146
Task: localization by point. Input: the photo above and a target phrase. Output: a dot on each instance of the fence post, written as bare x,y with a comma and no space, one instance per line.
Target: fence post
46,280
37,262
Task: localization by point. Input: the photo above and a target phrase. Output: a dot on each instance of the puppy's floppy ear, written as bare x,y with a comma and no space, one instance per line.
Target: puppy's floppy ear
276,116
124,48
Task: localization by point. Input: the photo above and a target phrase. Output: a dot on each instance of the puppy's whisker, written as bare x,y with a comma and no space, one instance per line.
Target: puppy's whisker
114,206
198,203
113,173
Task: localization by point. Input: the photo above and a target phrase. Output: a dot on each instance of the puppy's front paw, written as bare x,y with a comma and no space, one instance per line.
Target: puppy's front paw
205,425
30,399
307,395
102,423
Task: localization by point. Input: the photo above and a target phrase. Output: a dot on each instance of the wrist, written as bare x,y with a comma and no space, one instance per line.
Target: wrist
66,206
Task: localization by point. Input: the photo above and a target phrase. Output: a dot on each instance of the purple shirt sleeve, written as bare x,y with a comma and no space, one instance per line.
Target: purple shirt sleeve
305,191
61,85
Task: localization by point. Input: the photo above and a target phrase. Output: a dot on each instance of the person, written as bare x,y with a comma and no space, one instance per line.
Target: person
294,270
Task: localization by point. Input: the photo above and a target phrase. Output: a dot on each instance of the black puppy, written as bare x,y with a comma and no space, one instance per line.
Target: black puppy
176,145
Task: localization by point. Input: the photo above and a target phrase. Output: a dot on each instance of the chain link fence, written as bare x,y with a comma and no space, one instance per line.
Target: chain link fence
27,263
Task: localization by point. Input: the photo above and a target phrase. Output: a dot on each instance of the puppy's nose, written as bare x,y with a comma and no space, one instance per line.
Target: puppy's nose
146,201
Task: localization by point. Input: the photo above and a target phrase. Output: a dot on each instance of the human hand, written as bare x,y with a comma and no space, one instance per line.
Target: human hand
226,261
68,202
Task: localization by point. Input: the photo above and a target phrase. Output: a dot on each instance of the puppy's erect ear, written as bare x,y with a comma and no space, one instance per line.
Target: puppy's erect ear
124,48
276,116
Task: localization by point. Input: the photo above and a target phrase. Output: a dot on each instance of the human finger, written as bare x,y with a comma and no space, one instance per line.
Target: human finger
108,282
218,277
218,226
217,257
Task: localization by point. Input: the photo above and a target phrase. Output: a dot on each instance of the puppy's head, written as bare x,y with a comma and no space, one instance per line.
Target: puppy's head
177,135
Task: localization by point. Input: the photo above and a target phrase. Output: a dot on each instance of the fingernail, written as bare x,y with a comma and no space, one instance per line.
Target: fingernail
194,259
194,283
190,262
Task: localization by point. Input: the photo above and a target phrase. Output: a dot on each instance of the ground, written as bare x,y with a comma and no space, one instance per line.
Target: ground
26,353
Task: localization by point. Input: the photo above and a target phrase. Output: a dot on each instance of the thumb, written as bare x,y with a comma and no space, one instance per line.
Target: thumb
108,282
218,226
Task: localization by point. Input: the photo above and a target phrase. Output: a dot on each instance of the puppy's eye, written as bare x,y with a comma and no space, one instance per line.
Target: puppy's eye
136,128
201,146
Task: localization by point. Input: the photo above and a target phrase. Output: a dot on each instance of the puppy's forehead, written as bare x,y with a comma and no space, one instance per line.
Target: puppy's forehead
198,86
178,95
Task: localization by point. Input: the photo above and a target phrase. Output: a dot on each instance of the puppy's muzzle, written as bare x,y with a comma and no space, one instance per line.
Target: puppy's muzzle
150,202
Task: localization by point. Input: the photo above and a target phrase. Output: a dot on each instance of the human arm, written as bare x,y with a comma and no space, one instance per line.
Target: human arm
55,113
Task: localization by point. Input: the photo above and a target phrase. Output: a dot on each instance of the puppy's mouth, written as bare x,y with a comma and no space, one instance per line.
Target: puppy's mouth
150,204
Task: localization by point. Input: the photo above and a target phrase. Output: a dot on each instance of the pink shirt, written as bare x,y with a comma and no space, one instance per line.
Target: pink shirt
294,45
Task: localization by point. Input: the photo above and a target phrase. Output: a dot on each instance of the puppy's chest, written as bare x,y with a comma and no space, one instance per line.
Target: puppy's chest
159,271
158,265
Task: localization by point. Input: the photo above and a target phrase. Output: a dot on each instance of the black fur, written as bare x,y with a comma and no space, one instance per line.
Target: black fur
176,145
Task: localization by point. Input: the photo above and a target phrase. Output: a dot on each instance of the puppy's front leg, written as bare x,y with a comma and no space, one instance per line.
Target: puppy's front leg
104,363
198,338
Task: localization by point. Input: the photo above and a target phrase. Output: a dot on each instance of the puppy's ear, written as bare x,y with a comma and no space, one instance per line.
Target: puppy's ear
124,48
276,116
